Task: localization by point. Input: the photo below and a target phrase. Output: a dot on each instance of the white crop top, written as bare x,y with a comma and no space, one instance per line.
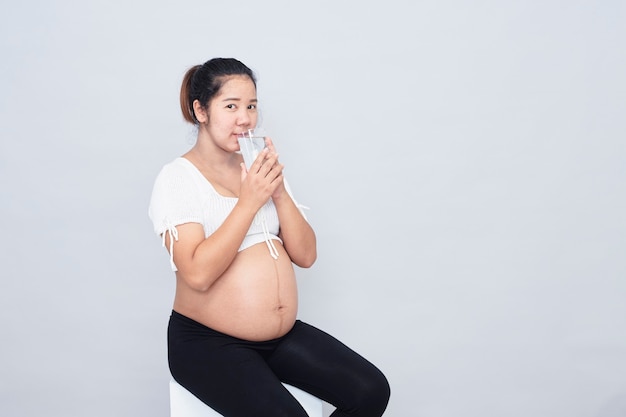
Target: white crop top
181,194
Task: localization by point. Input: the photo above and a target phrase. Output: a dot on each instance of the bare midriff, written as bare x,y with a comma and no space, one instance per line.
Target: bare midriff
256,298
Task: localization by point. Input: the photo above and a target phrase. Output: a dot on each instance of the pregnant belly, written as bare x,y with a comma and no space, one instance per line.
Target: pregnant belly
255,299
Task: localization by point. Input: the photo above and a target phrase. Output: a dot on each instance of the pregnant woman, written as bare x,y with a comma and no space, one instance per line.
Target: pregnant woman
233,235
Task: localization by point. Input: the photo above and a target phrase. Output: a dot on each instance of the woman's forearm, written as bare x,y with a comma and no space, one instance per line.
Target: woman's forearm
297,234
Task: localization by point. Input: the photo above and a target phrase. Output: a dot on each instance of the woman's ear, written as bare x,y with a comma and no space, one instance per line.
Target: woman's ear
200,112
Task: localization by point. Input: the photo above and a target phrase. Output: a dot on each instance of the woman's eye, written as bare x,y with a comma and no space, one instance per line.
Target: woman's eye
252,107
231,106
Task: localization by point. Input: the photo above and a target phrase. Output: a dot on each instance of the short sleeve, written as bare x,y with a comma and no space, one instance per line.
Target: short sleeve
175,199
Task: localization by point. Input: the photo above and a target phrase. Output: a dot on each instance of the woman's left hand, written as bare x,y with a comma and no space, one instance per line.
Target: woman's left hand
280,189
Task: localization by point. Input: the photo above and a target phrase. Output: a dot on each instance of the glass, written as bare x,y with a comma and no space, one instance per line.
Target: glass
251,143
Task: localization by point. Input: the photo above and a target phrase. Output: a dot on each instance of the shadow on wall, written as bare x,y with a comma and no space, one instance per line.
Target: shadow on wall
615,407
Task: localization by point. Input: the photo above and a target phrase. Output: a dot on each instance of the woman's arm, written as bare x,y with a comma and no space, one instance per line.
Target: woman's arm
297,235
201,261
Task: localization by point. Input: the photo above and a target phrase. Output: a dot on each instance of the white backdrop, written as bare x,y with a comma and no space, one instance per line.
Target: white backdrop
464,163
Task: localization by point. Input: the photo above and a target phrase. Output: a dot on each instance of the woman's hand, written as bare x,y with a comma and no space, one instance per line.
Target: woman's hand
263,180
280,189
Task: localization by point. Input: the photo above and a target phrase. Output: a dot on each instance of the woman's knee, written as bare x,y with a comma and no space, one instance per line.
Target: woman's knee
370,397
378,395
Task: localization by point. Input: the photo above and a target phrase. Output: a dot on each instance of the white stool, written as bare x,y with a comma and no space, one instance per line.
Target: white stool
185,404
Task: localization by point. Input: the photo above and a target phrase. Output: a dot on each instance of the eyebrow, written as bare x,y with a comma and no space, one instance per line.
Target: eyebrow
254,100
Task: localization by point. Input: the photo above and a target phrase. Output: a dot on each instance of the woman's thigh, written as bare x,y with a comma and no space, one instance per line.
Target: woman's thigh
320,364
229,375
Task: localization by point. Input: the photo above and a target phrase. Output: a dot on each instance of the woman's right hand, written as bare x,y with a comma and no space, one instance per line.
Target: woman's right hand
261,180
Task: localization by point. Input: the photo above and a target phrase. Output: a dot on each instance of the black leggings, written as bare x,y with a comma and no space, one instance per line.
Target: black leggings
239,378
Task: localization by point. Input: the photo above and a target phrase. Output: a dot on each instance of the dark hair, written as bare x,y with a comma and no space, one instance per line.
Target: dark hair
203,82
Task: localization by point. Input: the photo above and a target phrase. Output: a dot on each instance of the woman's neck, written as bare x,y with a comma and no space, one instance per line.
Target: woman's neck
212,161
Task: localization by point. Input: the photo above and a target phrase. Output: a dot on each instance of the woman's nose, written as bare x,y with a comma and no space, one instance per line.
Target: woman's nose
243,118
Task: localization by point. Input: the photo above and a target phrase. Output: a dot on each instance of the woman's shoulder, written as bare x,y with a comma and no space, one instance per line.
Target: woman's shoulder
175,195
177,166
176,179
176,171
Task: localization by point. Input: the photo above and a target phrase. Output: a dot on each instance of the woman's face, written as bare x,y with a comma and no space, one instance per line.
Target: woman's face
233,110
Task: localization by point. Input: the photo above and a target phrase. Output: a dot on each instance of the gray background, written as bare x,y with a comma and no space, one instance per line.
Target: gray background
464,163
